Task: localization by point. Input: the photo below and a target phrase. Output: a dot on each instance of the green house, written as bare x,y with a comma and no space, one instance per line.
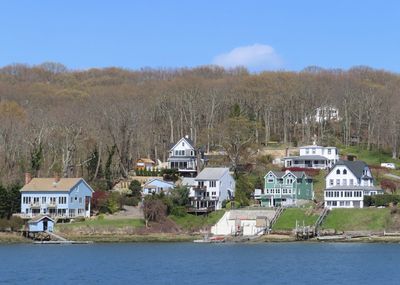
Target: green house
284,188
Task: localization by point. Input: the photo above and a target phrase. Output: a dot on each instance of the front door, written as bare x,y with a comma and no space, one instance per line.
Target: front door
44,225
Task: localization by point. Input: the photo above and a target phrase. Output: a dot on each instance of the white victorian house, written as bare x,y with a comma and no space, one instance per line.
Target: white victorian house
347,183
313,156
183,157
211,187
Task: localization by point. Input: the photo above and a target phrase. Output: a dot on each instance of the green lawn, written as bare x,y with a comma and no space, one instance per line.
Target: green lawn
192,222
369,157
319,185
103,223
357,219
287,221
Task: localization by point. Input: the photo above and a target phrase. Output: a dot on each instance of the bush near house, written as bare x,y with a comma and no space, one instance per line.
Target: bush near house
309,171
384,200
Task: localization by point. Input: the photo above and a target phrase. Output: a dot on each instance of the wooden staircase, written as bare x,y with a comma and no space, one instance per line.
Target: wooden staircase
320,219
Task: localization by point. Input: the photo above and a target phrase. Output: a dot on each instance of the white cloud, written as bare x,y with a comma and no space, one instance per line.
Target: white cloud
255,57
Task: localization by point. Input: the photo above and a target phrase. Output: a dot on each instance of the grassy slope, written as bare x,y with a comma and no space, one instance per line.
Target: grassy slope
319,185
192,222
373,219
370,157
104,223
287,221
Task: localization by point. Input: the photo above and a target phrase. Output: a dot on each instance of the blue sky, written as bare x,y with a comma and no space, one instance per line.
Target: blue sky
288,35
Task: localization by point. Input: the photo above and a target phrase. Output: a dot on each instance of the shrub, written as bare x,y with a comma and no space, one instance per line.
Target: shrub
381,200
131,201
388,185
265,159
179,211
309,171
232,205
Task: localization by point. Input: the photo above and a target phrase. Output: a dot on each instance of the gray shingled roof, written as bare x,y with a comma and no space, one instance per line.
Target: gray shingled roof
356,167
212,173
189,141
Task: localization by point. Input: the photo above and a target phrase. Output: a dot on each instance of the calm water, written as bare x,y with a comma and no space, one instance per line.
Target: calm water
187,263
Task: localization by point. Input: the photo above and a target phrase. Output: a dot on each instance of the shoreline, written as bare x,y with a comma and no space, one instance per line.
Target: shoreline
15,238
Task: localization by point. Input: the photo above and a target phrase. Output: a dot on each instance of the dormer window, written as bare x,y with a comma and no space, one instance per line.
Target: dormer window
338,171
344,171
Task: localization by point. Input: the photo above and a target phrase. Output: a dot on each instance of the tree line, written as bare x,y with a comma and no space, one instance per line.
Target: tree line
95,123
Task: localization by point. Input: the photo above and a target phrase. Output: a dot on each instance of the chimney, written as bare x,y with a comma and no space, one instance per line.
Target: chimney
28,177
56,178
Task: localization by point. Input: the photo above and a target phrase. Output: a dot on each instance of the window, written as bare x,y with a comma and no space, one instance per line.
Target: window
214,193
344,171
313,150
213,183
337,181
331,182
36,200
344,181
43,200
278,191
329,151
341,203
334,203
307,151
351,182
80,199
270,180
338,171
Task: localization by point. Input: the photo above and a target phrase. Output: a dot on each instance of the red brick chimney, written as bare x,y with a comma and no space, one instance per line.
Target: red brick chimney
28,177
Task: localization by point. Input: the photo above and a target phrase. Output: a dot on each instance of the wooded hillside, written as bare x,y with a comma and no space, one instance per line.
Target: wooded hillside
96,122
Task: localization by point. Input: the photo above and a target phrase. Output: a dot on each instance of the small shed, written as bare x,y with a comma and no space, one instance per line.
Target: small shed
41,224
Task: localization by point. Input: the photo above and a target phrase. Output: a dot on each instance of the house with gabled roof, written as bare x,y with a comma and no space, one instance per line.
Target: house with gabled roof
211,187
183,157
347,183
157,186
55,197
283,188
313,156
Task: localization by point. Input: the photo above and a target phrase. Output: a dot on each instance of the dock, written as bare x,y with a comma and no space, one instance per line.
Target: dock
62,242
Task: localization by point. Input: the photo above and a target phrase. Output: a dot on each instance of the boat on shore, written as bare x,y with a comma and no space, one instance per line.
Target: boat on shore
216,239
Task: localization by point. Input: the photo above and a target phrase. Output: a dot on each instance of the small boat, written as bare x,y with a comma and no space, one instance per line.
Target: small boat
216,239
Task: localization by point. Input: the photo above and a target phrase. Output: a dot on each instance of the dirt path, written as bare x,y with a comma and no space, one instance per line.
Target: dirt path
129,212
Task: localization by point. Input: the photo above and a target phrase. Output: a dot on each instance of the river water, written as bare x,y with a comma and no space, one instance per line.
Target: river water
189,263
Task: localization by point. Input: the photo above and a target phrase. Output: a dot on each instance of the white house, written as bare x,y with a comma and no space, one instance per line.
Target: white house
157,186
183,157
313,156
347,183
55,197
325,114
211,187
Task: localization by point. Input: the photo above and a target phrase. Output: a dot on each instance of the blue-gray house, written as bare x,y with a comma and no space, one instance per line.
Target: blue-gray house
157,186
55,197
